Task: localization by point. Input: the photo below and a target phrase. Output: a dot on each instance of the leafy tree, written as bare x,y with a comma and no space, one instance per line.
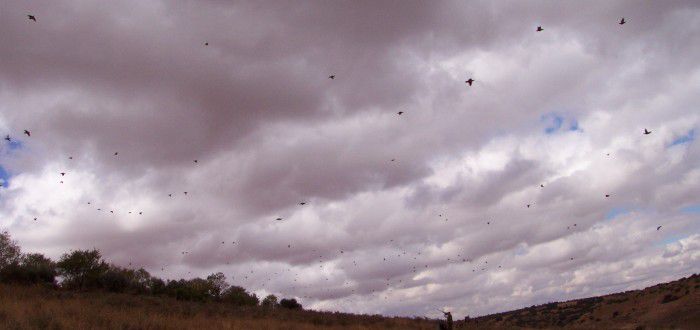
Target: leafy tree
217,284
270,302
238,296
9,250
290,303
82,269
36,268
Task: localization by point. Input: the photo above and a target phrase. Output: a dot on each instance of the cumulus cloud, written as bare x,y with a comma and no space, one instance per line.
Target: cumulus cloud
404,213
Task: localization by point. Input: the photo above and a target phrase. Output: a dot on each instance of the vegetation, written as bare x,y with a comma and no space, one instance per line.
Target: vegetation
86,270
81,291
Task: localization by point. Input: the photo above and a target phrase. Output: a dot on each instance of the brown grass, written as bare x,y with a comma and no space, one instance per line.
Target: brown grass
45,308
664,306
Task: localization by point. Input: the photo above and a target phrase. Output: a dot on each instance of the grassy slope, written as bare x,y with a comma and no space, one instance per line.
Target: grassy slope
668,305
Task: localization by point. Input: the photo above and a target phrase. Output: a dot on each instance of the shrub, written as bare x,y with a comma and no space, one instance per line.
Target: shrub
238,296
290,304
82,269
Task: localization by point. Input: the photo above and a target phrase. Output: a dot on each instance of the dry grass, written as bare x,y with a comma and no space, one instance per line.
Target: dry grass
670,305
44,308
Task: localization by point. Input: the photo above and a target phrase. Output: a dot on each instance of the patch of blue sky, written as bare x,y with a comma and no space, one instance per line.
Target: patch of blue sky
616,212
555,122
4,177
671,239
691,209
687,138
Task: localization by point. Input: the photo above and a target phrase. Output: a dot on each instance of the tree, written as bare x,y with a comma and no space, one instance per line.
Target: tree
290,303
82,269
270,302
9,250
238,296
36,268
217,284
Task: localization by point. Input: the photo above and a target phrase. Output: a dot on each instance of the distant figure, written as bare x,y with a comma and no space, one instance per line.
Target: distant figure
331,77
31,17
470,81
539,29
622,21
647,132
447,325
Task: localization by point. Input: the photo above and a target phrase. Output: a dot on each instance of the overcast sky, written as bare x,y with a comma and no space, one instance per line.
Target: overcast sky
404,213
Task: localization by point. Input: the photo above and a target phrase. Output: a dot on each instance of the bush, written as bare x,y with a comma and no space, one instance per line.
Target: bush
238,296
82,269
290,304
270,302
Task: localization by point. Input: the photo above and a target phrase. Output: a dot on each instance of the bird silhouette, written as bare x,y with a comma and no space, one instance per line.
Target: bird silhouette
279,219
116,153
31,17
7,137
302,203
70,157
646,132
170,195
400,113
622,21
206,44
470,81
331,76
541,186
607,195
27,132
540,29
195,160
659,227
185,193
528,206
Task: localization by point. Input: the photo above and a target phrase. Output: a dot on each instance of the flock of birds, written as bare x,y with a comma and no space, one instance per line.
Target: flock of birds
412,256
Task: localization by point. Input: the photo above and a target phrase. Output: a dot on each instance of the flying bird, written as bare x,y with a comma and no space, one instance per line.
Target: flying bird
279,219
27,132
659,227
185,193
540,29
7,137
116,153
331,77
70,157
607,195
622,21
63,173
528,206
541,186
400,113
195,160
302,203
206,44
469,81
646,132
31,17
170,195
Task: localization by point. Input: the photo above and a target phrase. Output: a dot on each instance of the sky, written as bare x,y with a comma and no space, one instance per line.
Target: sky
403,214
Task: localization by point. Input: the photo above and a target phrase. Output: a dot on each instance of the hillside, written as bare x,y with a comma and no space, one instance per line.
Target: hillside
669,305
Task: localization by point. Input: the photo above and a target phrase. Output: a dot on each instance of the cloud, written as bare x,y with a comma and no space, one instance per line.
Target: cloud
404,213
